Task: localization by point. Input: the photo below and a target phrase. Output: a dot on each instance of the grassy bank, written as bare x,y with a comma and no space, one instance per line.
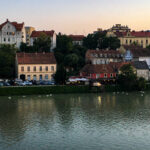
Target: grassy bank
34,90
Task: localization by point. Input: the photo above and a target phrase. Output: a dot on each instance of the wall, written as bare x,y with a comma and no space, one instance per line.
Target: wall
37,72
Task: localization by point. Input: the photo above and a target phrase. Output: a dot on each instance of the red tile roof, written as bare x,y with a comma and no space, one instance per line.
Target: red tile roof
138,51
108,52
36,58
18,26
36,34
96,69
76,37
134,34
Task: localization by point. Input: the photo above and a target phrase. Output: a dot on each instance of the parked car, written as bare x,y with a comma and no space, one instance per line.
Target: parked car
1,84
20,83
28,83
6,83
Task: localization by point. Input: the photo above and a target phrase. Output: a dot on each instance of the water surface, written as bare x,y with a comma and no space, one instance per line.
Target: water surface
114,121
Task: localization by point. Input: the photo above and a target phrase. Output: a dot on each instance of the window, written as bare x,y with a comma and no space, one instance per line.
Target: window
126,41
28,69
46,77
130,41
46,68
52,68
8,39
141,41
34,77
146,41
41,77
4,39
97,76
111,75
40,68
22,68
28,77
105,75
34,68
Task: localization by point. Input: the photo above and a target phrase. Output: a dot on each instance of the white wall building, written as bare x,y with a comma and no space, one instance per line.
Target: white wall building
12,33
36,34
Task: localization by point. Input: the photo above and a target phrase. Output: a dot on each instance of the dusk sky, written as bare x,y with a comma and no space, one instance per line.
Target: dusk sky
77,16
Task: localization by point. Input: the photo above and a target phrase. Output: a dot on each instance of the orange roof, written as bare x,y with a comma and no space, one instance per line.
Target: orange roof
18,26
36,58
76,37
134,33
36,34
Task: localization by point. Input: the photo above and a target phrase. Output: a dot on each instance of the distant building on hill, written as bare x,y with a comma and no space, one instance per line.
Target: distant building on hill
12,33
35,66
139,38
103,56
120,28
77,39
51,34
29,31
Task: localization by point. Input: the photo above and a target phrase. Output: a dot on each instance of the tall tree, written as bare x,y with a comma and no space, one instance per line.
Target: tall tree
7,61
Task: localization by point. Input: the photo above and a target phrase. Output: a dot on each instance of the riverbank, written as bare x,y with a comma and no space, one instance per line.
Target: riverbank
34,90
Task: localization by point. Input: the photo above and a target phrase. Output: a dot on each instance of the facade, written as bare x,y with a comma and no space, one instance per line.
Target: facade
103,56
142,69
119,28
138,53
101,71
77,39
29,31
141,38
35,66
12,33
51,34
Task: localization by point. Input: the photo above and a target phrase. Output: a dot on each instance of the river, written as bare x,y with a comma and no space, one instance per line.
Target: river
108,121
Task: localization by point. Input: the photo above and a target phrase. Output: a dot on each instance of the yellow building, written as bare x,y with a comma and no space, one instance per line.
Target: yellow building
140,38
29,31
35,66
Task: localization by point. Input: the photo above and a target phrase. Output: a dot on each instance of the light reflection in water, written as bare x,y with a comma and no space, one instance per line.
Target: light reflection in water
81,121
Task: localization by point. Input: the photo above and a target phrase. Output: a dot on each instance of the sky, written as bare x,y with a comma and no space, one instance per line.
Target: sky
77,16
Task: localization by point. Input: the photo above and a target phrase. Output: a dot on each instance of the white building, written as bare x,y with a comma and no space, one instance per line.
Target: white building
77,39
51,34
12,33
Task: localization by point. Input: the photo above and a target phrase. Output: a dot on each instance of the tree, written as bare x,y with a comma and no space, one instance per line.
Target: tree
42,43
101,41
7,61
61,75
127,79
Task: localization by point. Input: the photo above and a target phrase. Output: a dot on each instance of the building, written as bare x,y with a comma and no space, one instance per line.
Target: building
29,31
142,69
51,34
77,39
101,71
35,66
103,56
120,28
12,33
141,38
137,53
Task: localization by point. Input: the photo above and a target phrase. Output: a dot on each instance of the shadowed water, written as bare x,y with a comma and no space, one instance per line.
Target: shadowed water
114,121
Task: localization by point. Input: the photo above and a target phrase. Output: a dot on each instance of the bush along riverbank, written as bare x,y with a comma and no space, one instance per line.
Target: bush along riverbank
41,90
34,90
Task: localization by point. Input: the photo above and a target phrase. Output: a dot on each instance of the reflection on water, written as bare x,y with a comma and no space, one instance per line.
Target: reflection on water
118,121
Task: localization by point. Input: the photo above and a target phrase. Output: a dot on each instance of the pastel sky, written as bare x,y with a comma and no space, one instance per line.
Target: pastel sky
77,16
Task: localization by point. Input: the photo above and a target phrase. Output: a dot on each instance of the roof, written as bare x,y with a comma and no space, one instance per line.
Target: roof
102,53
76,37
36,58
102,68
18,26
140,65
36,34
138,51
133,33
